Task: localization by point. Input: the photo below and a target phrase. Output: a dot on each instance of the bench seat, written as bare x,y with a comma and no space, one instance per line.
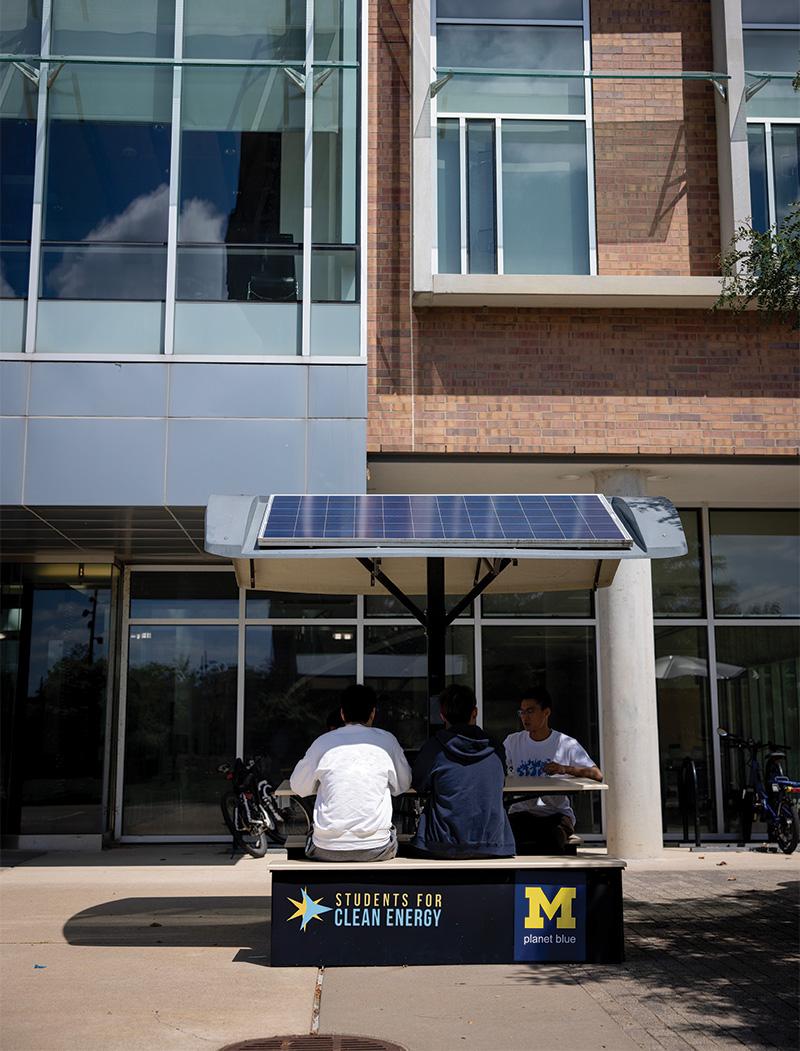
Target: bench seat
429,911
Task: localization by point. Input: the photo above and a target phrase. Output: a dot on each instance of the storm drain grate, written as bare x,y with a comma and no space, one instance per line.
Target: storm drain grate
334,1042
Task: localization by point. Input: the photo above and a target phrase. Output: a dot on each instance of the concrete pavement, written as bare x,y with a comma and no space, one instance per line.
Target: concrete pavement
151,947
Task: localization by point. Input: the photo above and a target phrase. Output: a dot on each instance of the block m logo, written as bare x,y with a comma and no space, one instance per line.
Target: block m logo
561,905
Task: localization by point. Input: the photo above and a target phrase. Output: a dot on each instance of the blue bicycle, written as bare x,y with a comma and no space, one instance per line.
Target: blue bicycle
771,798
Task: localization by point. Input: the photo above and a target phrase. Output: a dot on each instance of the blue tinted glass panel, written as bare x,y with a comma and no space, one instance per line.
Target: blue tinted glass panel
335,30
448,199
14,263
571,10
767,11
104,271
334,275
143,29
244,29
759,200
561,519
107,181
17,148
221,273
786,161
481,210
21,27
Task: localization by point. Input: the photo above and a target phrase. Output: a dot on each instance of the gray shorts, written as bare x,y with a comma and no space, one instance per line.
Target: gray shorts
385,853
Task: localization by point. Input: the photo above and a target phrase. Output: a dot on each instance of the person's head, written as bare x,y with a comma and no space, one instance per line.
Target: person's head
358,704
333,720
458,705
535,708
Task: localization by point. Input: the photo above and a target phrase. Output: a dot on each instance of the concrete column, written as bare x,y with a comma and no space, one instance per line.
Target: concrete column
628,696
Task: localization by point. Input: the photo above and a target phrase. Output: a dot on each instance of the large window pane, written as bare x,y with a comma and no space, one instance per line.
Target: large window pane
245,29
21,27
335,30
103,272
396,666
145,28
678,582
754,556
334,211
448,197
221,273
562,659
293,677
770,11
539,604
786,159
510,48
545,205
180,725
18,99
758,672
284,604
571,10
772,51
759,194
481,205
334,275
684,722
168,595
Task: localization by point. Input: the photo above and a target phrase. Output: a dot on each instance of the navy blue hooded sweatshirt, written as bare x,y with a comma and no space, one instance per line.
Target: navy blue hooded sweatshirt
462,771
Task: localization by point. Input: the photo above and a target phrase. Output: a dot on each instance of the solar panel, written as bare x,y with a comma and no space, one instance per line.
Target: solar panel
581,520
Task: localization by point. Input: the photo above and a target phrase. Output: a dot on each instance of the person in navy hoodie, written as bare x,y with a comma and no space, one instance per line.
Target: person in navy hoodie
461,770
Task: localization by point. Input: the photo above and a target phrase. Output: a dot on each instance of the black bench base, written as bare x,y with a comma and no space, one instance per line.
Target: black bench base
386,915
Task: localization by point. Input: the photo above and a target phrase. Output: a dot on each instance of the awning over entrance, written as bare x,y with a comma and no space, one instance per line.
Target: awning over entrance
642,527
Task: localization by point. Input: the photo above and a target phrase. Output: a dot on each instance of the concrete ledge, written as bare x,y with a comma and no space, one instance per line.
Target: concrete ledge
521,861
89,843
570,290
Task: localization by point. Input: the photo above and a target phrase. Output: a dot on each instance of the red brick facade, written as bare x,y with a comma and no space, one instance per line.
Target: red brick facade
581,381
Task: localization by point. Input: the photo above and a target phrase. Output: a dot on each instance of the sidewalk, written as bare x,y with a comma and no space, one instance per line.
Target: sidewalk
153,947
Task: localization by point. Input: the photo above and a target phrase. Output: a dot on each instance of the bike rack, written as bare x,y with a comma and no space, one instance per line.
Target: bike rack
687,796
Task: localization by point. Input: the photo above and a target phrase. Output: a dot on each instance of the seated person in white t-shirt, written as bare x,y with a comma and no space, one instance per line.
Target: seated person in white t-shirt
543,824
354,772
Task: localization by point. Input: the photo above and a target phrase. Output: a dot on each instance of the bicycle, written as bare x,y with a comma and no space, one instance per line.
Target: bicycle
772,797
254,816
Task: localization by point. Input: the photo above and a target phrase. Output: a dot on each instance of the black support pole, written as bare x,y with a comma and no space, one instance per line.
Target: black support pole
436,626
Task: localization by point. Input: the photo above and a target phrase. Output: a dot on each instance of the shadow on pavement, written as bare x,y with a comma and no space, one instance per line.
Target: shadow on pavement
197,922
728,961
133,854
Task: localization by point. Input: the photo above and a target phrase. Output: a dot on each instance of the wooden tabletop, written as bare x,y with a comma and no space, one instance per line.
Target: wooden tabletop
557,784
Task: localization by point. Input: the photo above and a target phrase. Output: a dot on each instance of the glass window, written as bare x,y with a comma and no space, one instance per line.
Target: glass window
249,29
684,722
396,667
191,595
571,10
283,604
772,51
107,183
388,605
678,582
758,670
754,557
448,190
786,159
481,201
335,30
241,186
759,193
113,27
334,201
334,276
180,724
18,100
770,11
539,604
501,47
563,659
545,206
21,27
293,677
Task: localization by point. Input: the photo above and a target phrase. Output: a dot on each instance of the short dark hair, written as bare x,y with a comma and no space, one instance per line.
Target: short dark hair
457,703
538,694
333,720
357,703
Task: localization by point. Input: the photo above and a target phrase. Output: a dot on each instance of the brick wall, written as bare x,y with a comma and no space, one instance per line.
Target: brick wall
560,381
655,140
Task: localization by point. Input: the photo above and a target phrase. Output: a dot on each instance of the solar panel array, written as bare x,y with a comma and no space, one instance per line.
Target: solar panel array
541,520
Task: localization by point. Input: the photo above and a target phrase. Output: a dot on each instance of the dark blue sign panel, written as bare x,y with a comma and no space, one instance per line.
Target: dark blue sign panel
390,917
550,919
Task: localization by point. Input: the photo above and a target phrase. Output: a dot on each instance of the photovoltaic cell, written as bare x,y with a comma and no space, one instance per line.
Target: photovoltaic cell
526,520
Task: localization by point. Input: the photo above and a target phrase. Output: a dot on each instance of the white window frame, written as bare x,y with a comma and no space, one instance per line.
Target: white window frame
463,116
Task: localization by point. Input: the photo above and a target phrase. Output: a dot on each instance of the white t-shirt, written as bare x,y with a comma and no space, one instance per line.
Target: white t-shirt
354,771
528,758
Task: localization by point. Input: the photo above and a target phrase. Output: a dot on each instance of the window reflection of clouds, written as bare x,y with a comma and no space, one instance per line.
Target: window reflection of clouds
755,558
